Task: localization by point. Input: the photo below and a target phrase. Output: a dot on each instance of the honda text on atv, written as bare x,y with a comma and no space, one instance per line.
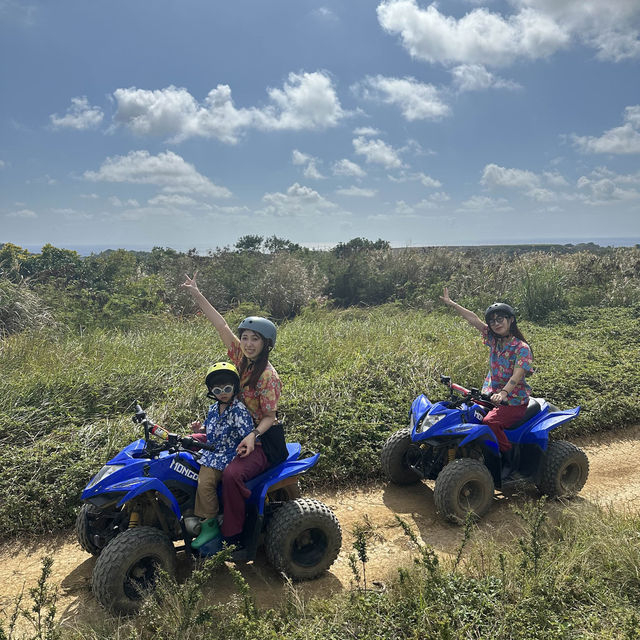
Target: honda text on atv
142,501
448,443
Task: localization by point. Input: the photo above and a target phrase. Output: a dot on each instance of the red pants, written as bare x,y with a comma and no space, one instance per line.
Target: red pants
234,490
502,417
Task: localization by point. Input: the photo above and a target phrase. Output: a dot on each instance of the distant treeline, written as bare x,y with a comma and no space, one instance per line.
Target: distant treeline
277,277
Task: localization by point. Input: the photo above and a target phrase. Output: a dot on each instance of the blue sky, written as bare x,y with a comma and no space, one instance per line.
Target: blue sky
191,123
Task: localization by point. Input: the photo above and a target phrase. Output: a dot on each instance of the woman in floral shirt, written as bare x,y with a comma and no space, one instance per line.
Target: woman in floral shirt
259,390
510,360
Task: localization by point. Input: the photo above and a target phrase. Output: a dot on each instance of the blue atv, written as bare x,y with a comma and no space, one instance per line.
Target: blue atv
447,442
142,501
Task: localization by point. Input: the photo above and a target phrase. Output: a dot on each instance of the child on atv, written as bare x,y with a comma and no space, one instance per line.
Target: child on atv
226,425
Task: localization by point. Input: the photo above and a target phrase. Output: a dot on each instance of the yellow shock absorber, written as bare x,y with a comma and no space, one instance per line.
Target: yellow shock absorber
134,519
451,454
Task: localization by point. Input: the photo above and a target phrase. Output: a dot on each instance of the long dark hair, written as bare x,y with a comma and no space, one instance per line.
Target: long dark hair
259,365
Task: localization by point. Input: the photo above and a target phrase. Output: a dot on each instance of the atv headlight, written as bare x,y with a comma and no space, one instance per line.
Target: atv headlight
429,420
106,471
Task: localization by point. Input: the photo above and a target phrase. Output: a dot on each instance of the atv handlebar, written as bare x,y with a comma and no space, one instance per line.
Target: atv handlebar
169,440
469,394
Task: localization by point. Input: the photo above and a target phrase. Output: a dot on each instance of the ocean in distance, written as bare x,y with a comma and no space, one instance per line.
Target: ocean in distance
88,249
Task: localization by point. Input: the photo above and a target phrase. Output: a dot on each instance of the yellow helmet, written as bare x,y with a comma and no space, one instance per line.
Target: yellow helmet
222,369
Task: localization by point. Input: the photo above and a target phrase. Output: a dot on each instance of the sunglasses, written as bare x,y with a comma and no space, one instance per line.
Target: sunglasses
497,319
216,391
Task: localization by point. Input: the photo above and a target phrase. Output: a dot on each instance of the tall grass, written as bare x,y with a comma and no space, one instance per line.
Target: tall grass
348,376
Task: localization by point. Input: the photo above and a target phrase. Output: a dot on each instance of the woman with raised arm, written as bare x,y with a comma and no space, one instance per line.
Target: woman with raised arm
510,360
260,388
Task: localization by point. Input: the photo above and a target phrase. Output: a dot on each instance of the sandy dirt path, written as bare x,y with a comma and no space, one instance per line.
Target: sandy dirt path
614,478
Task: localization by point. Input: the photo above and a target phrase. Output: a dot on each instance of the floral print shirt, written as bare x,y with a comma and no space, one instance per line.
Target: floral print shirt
264,397
502,362
226,430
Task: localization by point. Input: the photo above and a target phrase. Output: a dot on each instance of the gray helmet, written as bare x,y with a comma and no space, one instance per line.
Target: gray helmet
264,327
501,308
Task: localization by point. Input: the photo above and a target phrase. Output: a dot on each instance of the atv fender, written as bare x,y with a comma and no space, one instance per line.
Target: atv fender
482,432
549,421
143,485
261,484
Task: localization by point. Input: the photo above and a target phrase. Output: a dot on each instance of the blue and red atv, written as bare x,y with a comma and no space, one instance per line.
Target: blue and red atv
142,501
447,442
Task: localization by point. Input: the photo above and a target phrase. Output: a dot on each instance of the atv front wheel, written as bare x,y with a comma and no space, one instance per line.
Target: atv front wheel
303,539
85,529
398,453
564,470
464,486
128,567
94,528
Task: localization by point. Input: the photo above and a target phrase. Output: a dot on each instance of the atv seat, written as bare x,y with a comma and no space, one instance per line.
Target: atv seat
532,409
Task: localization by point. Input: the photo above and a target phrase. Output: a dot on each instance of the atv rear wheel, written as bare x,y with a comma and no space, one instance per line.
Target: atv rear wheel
464,486
398,453
128,567
564,470
303,539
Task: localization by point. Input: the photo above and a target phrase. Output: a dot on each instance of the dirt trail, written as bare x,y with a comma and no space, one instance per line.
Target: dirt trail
614,478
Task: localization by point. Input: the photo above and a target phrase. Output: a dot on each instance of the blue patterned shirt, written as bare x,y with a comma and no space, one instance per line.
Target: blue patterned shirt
226,430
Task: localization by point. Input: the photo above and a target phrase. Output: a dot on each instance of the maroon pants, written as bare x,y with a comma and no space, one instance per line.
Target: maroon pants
502,417
234,490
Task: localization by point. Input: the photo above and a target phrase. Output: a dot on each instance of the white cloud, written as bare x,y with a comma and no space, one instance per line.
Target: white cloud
476,77
307,101
426,180
324,13
22,213
484,203
80,115
116,202
298,158
611,27
357,192
402,208
603,186
496,176
531,184
377,152
167,170
416,100
171,200
3,164
620,140
366,131
345,167
311,170
479,37
298,201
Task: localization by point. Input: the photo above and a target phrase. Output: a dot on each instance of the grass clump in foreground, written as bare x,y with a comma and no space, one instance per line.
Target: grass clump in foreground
570,571
348,376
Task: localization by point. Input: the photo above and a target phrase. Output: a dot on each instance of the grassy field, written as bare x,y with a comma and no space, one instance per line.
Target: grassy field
349,377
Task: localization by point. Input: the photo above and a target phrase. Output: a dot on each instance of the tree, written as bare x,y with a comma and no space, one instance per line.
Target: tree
249,243
358,245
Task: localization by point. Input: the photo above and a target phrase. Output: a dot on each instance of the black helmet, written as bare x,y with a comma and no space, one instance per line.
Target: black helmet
501,308
264,327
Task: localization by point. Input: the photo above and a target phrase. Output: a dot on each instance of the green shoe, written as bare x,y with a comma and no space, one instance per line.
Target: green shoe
209,529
